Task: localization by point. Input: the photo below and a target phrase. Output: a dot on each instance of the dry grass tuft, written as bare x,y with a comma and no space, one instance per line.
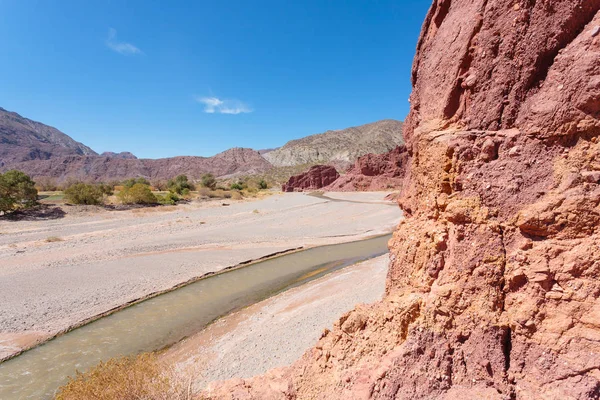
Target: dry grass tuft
52,239
128,378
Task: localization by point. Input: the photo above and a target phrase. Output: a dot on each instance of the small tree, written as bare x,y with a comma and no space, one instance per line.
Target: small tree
84,193
180,184
16,190
209,181
137,194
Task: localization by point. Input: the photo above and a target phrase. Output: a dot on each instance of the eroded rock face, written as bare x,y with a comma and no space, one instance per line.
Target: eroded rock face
494,283
317,177
374,172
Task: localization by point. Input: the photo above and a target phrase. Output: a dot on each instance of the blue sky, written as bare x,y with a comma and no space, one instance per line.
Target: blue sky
173,78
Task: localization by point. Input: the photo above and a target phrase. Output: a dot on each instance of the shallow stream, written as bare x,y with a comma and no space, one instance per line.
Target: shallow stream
166,319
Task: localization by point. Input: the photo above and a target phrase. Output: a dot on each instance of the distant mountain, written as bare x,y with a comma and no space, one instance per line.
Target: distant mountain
43,151
22,139
344,145
103,169
124,155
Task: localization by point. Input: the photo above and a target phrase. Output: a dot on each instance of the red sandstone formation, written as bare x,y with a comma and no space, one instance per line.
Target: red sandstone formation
374,172
494,283
316,177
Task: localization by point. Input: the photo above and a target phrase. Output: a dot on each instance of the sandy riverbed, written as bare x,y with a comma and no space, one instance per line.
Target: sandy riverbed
276,331
107,258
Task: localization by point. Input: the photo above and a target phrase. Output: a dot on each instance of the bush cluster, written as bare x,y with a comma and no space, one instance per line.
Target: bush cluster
128,183
168,199
209,181
139,193
85,193
180,185
17,190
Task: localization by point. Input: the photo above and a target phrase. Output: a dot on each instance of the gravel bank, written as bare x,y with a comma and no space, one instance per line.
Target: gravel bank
104,259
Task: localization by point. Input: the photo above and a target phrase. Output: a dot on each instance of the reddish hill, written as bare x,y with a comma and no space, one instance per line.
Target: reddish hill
96,168
22,139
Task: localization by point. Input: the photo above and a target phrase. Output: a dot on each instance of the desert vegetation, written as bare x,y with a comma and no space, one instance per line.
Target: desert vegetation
209,181
180,185
139,193
17,190
133,192
128,378
84,193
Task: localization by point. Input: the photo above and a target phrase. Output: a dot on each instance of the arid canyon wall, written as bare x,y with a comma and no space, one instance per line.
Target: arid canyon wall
494,283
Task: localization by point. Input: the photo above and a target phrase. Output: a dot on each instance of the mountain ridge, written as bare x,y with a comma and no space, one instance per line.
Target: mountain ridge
43,151
23,139
344,145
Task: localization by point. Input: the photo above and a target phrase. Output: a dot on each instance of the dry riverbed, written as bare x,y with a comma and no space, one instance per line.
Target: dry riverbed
57,273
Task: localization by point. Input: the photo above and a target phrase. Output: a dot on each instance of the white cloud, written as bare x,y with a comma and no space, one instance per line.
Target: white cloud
120,47
214,105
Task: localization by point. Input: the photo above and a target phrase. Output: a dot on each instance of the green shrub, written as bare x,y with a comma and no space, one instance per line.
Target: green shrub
84,193
236,186
16,190
128,183
262,184
137,194
209,181
180,184
168,199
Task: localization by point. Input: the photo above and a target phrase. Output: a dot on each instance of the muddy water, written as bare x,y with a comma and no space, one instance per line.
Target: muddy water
168,318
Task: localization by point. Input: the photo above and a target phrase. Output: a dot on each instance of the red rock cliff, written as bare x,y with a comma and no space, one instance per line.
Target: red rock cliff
494,283
374,172
316,177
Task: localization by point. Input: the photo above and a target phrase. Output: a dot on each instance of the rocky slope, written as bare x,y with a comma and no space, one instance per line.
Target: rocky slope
316,177
103,169
493,290
22,139
374,172
340,145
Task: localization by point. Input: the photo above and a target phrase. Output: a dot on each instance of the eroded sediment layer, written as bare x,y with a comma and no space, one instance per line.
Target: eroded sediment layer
493,286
